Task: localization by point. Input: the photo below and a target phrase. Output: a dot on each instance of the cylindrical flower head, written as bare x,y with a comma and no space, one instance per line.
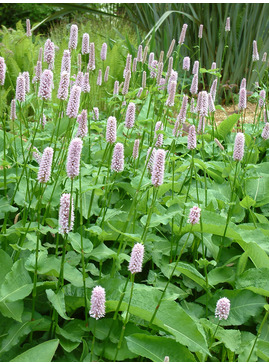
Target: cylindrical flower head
151,58
186,64
158,168
86,83
222,308
194,216
166,359
173,77
139,53
159,74
159,137
82,124
151,158
213,66
13,115
116,88
45,86
192,137
211,105
145,53
49,53
153,69
91,64
171,48
40,54
20,88
85,49
45,165
262,98
73,102
144,79
204,104
199,103
27,81
172,93
79,79
192,108
126,83
265,132
201,125
194,84
130,115
136,148
37,155
200,34
255,55
177,129
106,74
213,89
3,69
103,52
63,86
264,57
43,120
111,130
243,83
66,62
128,64
239,147
219,144
65,211
183,111
73,158
242,99
95,113
28,28
38,72
227,26
170,67
161,56
139,92
134,65
137,256
183,34
117,163
98,302
195,68
99,78
73,40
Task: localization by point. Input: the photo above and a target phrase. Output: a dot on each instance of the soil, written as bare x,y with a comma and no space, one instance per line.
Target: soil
220,115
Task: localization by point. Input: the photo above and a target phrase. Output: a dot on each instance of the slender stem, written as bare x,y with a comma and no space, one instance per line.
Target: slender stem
258,334
93,339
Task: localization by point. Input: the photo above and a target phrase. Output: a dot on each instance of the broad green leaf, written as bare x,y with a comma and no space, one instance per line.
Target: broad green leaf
57,300
263,350
102,252
156,348
75,240
247,202
5,264
220,275
12,309
17,284
226,126
256,280
15,334
190,272
40,353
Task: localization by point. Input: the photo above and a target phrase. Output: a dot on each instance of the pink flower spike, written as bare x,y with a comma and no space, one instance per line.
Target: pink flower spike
103,52
194,216
111,130
194,85
117,163
200,34
158,137
99,78
20,89
86,88
82,124
64,226
91,64
186,64
66,62
265,132
130,116
136,261
239,147
45,166
85,49
73,102
63,86
49,53
73,40
73,158
227,26
223,308
98,301
262,98
13,115
255,55
28,28
172,93
45,86
116,88
182,34
136,148
158,168
192,138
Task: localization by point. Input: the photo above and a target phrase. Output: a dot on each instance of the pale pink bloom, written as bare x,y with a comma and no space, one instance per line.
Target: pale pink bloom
99,78
128,64
255,54
194,84
239,147
264,57
85,49
73,40
63,86
91,64
150,159
45,86
134,65
242,99
172,93
136,261
139,92
73,158
145,53
65,211
194,216
195,68
227,26
173,77
183,111
82,124
211,105
98,301
200,34
38,72
243,83
213,89
192,108
223,308
111,130
130,115
95,113
159,74
103,52
201,125
158,168
66,62
186,63
166,359
182,34
43,120
204,104
151,59
159,137
116,88
139,53
177,129
73,102
153,69
27,81
106,74
13,115
126,83
136,148
28,28
49,53
192,137
265,132
117,163
40,54
171,48
144,79
79,79
170,67
213,66
37,155
20,88
262,98
45,166
86,83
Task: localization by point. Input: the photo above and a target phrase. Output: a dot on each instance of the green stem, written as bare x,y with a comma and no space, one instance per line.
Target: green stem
258,334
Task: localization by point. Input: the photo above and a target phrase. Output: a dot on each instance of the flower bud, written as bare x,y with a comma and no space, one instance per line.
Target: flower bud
111,130
73,40
73,158
192,138
98,301
239,147
66,222
73,102
63,86
194,216
45,166
136,261
222,308
158,168
103,52
117,163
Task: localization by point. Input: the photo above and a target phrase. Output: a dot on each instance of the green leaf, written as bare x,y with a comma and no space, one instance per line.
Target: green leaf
102,252
226,126
12,309
156,348
247,202
75,239
40,353
17,284
192,273
5,264
57,300
15,334
263,350
255,280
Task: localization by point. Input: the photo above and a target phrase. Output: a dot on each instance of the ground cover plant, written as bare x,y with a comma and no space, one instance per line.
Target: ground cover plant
133,226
